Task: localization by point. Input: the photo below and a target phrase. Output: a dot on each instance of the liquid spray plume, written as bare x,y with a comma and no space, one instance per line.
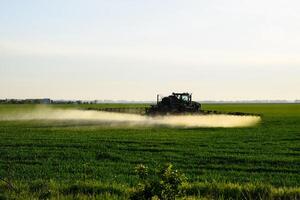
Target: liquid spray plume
221,120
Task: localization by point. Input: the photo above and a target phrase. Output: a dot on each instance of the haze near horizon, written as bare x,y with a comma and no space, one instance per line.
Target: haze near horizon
132,50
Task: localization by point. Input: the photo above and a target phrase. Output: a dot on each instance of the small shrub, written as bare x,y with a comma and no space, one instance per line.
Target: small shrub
164,184
141,171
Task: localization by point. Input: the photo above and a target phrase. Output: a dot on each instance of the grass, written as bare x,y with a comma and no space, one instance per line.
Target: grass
232,160
95,190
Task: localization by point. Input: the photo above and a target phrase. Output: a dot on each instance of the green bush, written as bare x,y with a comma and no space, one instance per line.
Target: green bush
165,183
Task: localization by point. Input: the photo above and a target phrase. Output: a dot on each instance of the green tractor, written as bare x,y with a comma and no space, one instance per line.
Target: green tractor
176,103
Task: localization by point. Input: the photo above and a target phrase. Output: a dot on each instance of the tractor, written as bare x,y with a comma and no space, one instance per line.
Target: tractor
177,103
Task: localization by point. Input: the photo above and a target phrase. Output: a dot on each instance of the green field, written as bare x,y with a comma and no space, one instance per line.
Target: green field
65,154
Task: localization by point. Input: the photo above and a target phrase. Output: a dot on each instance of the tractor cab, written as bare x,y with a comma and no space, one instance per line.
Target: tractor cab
183,97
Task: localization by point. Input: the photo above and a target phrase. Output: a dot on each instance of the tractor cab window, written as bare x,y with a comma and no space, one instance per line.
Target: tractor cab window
185,98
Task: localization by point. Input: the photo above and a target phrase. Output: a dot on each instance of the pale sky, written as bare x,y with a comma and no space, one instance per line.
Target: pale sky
134,49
